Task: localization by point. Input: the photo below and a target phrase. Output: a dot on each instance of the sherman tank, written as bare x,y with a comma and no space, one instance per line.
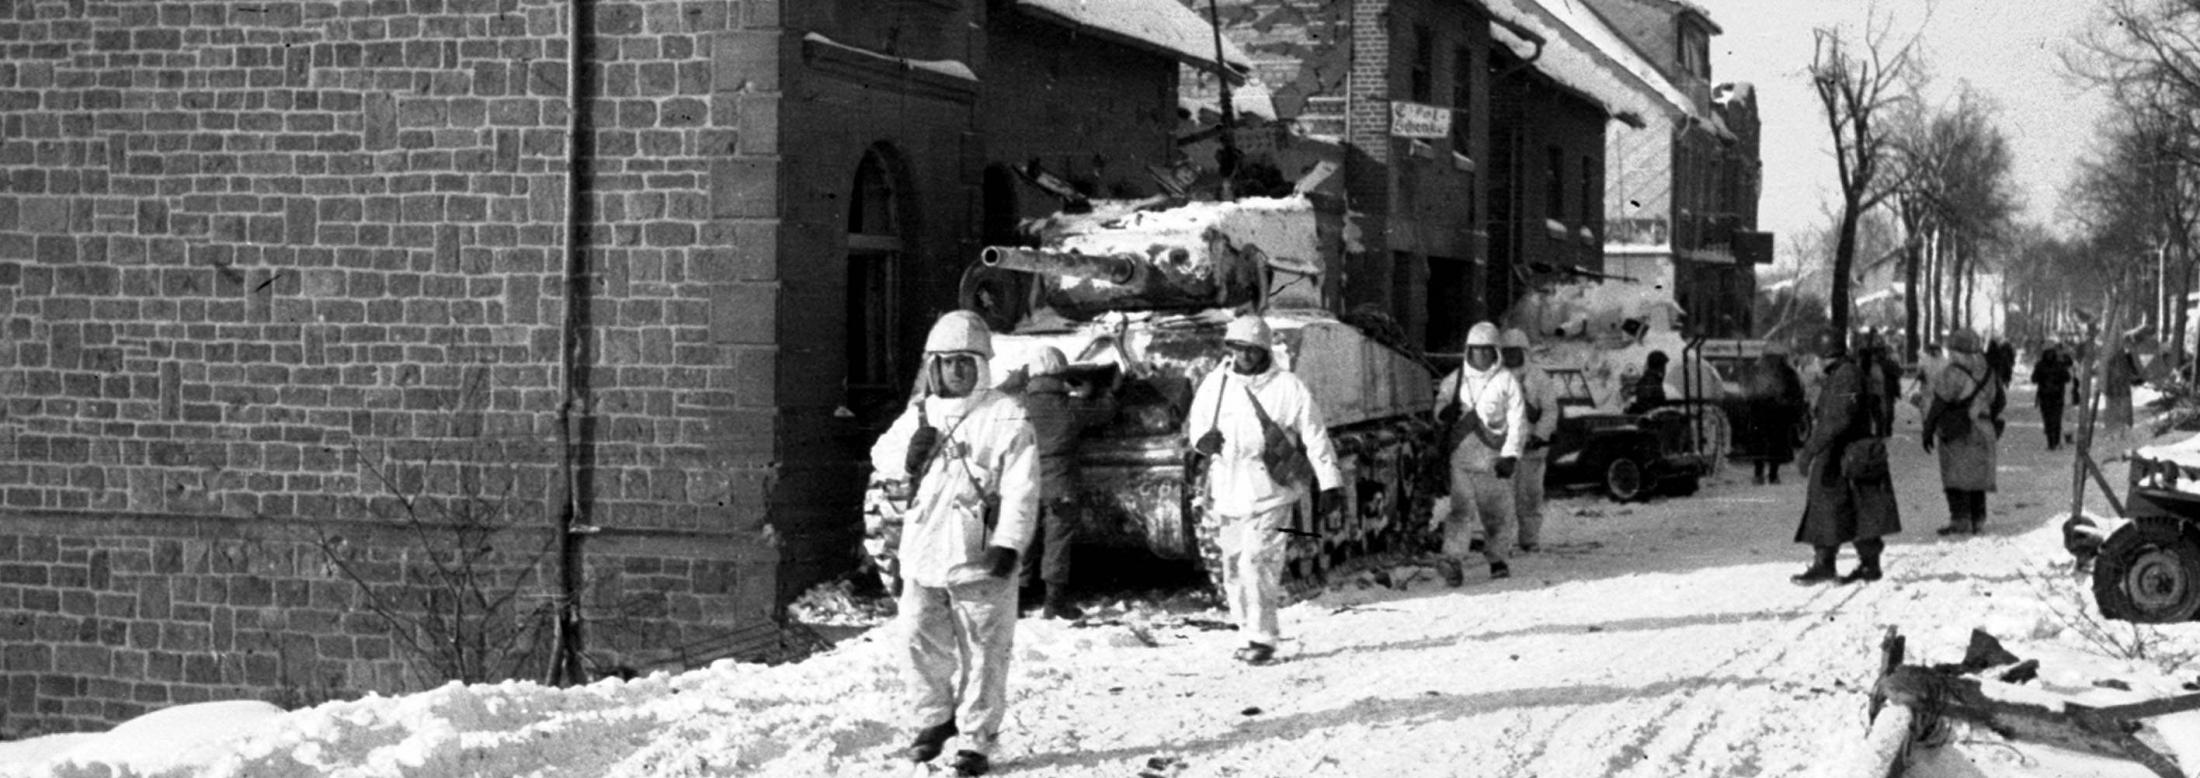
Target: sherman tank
1137,298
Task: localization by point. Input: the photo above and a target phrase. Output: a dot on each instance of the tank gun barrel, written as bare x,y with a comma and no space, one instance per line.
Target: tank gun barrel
1118,269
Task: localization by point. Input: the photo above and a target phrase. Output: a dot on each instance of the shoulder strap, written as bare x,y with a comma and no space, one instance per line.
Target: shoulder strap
1259,411
1217,418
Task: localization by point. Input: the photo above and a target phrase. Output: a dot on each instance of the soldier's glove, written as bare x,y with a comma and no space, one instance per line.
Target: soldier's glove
1927,439
1209,444
1328,501
921,444
1505,466
1000,562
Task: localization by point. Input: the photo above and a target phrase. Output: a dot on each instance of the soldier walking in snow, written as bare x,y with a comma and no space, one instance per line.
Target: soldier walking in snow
1240,420
1776,403
1960,421
1540,395
1847,502
976,466
2051,376
1483,408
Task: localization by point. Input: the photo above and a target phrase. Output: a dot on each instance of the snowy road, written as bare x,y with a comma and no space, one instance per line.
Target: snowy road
1658,639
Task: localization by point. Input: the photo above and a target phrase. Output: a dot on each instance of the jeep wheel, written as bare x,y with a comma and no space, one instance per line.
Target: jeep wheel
1624,480
2148,573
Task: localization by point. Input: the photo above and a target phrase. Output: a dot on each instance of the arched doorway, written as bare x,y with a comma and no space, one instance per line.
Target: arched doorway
876,274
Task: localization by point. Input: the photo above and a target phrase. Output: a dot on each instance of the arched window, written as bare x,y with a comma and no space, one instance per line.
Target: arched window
876,379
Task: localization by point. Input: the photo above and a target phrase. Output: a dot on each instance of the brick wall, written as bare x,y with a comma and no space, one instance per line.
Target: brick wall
1339,63
1093,112
249,249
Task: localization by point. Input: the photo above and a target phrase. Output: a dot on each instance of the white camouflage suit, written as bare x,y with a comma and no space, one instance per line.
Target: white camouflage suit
960,621
1247,504
1477,494
1540,392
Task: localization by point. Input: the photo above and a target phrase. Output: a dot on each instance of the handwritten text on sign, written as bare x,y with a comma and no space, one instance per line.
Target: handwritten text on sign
1414,120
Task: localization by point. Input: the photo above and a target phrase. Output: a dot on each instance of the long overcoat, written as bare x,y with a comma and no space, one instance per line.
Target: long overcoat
1775,404
1966,463
1837,509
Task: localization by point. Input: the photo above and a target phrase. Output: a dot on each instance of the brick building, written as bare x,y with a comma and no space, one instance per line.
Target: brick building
277,278
1683,199
1452,225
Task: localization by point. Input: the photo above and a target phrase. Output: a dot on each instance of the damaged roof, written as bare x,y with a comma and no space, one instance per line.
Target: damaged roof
1164,27
1584,53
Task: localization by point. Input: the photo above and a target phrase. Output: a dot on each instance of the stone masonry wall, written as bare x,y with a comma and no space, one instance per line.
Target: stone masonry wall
256,255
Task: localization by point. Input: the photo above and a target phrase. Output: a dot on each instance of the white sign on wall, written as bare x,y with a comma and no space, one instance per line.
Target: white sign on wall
1414,120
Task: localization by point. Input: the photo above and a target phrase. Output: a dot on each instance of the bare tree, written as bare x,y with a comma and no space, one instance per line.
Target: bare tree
2147,52
1859,88
1956,187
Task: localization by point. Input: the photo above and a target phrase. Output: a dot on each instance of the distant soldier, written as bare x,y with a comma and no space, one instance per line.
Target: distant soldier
2051,375
1650,386
1540,394
1960,421
976,501
1776,406
1486,415
1234,415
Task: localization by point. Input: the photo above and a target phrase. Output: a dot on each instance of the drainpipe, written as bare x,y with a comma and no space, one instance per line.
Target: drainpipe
572,521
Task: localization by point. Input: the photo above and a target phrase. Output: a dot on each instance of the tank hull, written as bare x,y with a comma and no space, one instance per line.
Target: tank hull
1137,303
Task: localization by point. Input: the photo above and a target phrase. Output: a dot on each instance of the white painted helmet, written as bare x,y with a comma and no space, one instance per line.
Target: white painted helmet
1249,329
960,331
1049,361
1514,338
1482,334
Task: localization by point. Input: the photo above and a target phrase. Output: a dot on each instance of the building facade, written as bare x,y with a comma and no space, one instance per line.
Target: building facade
293,295
1470,163
1683,201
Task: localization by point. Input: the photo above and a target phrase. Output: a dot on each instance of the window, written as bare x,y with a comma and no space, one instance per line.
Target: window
872,297
1695,53
1554,182
1423,86
1462,97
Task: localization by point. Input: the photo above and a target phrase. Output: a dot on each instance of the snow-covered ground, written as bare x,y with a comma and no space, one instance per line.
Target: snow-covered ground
1658,639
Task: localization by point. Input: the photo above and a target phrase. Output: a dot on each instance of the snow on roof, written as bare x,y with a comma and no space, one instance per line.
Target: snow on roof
1250,99
945,67
1734,90
1164,26
1582,52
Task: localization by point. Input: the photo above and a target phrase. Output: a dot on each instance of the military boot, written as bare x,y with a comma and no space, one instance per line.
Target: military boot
931,741
1820,570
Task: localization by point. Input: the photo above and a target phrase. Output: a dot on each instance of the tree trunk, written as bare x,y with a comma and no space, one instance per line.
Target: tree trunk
1970,286
1936,320
1910,266
1844,258
2180,312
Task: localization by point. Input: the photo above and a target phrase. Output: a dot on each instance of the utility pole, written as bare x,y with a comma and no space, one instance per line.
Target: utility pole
1226,160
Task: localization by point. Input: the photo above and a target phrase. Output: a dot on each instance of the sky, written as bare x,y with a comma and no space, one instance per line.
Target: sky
2005,50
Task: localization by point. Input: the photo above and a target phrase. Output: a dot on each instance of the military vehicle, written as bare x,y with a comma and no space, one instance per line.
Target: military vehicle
1137,297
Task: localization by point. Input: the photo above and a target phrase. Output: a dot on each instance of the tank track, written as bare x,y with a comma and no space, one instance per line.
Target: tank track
1386,467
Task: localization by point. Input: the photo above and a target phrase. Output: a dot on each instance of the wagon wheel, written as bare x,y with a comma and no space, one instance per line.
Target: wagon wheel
2148,573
